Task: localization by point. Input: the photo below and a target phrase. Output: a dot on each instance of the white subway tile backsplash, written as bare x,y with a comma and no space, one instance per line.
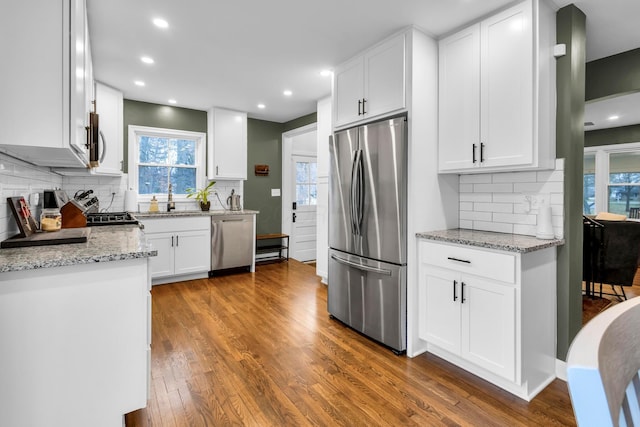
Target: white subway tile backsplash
496,202
540,187
515,177
529,230
493,188
466,224
466,206
475,197
475,216
493,207
507,198
551,176
515,218
475,179
493,226
466,188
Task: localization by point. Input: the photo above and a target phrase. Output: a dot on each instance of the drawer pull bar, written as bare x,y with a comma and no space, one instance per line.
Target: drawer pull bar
466,261
462,287
455,296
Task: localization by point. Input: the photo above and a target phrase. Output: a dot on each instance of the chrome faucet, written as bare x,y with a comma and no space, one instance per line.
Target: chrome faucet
171,205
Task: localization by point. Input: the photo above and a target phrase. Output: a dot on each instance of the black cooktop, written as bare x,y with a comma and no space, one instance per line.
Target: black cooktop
110,218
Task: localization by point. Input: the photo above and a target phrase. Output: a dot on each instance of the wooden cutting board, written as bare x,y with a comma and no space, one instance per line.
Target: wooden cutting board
43,238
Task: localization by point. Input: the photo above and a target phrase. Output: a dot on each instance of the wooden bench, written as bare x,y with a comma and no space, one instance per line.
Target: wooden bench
281,245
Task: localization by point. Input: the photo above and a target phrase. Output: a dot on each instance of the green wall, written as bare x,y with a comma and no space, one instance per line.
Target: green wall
570,88
300,121
160,116
609,77
619,135
613,75
264,141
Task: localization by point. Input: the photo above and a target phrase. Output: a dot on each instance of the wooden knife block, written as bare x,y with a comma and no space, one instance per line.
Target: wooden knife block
72,216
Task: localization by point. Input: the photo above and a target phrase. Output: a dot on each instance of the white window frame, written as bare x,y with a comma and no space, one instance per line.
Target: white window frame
135,131
602,153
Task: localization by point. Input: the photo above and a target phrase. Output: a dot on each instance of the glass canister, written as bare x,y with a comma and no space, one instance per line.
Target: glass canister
50,219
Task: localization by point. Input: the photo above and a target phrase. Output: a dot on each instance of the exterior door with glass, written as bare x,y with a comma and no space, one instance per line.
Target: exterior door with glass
303,228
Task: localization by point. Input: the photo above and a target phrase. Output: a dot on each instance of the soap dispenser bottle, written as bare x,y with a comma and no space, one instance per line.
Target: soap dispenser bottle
153,206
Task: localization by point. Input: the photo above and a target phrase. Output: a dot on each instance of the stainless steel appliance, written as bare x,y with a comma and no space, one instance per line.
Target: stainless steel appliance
233,201
367,230
232,240
111,218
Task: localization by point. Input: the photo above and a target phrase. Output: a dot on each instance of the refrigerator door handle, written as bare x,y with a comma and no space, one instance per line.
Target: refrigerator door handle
361,266
353,200
359,191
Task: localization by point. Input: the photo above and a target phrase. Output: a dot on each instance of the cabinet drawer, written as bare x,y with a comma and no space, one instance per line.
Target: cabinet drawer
176,224
497,266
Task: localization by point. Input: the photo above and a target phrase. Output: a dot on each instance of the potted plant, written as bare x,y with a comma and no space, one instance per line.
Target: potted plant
202,195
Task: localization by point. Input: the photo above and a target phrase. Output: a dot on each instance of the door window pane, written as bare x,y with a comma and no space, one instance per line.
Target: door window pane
306,190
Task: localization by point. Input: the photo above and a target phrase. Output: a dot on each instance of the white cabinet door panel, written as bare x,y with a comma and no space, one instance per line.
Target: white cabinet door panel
459,98
384,85
488,325
163,264
192,252
227,150
507,87
349,89
441,324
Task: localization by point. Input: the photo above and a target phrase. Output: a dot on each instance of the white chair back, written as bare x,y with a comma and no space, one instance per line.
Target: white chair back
602,368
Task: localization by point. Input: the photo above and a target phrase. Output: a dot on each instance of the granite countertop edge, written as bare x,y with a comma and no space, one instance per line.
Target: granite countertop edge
174,214
105,244
491,240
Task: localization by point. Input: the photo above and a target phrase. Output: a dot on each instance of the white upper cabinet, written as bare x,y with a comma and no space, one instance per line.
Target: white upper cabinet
371,84
46,86
227,144
109,104
496,109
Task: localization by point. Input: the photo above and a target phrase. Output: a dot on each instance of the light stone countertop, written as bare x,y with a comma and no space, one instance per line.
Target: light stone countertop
105,243
491,240
147,215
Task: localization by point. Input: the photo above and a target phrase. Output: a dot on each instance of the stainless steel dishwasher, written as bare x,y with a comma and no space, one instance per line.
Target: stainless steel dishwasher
232,241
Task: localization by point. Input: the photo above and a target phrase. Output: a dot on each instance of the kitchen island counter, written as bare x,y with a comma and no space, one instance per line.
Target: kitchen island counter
112,243
173,214
491,240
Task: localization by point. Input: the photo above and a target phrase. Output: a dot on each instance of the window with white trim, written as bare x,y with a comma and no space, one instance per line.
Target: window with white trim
611,178
160,156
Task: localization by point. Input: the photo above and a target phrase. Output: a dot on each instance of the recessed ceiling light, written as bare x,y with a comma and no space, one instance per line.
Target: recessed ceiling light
147,60
261,106
287,93
139,83
172,101
325,73
613,117
160,23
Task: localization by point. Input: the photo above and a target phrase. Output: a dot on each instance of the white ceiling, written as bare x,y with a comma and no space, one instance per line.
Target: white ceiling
236,54
625,107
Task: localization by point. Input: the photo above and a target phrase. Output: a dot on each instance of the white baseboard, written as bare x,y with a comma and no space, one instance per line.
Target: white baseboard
561,370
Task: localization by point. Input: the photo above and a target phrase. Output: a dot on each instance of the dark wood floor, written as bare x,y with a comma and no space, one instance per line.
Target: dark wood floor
260,350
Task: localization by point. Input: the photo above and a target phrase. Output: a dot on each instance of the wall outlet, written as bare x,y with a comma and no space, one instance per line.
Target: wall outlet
275,192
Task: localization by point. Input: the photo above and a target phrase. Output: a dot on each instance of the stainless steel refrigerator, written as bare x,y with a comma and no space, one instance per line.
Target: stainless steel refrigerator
367,284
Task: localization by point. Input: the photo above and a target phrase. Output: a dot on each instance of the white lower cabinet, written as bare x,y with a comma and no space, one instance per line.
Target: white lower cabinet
183,245
472,312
